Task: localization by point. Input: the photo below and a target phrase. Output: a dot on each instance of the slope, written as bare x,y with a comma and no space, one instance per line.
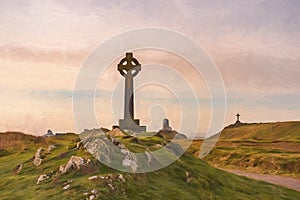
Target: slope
187,178
272,148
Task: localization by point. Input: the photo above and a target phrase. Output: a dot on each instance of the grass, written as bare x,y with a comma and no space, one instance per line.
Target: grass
271,148
206,182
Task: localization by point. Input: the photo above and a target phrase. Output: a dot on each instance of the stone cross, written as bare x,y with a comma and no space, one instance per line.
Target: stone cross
238,117
129,67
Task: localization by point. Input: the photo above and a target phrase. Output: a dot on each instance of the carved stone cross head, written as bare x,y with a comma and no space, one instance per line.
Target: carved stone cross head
129,66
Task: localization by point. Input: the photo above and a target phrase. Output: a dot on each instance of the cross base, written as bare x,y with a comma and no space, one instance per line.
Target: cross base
132,125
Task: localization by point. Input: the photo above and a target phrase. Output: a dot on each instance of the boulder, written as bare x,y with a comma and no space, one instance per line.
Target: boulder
101,149
18,168
79,144
37,157
93,177
188,177
121,177
130,159
107,149
74,163
149,156
111,186
42,178
66,187
50,148
116,132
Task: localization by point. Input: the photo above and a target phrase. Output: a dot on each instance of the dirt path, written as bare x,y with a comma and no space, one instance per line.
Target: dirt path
288,182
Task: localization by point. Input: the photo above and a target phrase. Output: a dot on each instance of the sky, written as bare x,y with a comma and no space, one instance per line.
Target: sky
43,44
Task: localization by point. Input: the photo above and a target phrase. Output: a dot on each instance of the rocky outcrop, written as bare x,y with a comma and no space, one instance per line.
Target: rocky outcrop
107,149
37,157
130,159
74,163
100,149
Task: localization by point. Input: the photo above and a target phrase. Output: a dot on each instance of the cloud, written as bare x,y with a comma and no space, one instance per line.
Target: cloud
255,44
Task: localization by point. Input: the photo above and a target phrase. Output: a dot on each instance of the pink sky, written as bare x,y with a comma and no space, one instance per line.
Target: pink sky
255,44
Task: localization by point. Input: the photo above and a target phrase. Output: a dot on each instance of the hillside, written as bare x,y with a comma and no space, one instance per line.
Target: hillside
272,148
186,178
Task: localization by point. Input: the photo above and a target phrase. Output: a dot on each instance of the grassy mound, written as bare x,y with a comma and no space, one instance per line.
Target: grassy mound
186,178
263,148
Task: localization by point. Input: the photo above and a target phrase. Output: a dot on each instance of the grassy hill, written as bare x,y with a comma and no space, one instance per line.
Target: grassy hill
187,178
272,148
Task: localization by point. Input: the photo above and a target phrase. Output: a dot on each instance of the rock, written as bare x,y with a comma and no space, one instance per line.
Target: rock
37,157
111,186
77,161
50,148
188,177
66,187
116,132
99,148
74,162
149,156
121,177
130,160
92,197
70,181
79,144
107,149
61,168
42,178
18,168
93,177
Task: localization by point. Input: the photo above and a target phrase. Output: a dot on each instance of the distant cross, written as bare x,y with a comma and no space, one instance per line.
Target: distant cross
238,117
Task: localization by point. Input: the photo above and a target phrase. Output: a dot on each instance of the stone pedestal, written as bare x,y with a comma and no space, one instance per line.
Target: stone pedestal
133,125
